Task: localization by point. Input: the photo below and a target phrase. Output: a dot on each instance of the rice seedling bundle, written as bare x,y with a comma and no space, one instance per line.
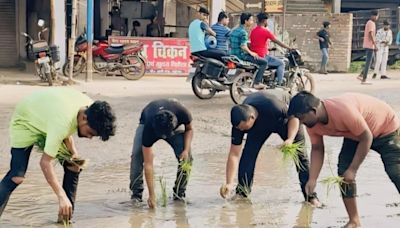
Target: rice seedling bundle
292,151
333,182
163,185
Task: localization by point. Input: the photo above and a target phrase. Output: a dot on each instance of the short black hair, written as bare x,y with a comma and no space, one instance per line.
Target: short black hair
302,103
326,24
165,122
245,17
239,113
386,22
101,118
262,16
204,10
222,15
374,13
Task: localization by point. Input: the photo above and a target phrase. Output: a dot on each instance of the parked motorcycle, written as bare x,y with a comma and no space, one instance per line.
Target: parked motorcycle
45,56
127,59
295,79
209,76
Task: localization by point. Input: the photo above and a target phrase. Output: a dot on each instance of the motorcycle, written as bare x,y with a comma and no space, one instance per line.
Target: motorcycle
295,79
127,59
45,56
209,76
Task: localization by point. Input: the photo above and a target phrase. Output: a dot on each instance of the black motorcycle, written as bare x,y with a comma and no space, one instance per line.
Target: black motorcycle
209,76
295,78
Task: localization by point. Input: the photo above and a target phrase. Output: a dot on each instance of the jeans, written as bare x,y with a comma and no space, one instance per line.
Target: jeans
368,61
381,60
279,64
254,142
211,53
325,58
389,149
262,65
18,167
136,174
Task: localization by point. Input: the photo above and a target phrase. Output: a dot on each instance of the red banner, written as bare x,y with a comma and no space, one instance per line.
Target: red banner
168,56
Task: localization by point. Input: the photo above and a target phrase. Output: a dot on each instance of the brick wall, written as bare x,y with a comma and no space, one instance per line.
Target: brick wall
304,28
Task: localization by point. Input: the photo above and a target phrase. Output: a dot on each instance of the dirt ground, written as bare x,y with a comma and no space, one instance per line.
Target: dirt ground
103,194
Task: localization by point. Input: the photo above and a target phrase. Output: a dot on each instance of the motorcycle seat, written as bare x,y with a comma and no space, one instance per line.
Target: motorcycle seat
114,50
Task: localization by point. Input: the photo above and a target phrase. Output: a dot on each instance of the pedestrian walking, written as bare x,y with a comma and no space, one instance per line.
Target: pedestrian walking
384,38
323,37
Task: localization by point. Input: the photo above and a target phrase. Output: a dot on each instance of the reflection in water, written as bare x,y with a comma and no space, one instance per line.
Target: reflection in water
304,218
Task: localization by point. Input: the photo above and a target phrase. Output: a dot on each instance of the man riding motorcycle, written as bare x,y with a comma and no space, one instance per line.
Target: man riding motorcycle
239,47
197,31
259,42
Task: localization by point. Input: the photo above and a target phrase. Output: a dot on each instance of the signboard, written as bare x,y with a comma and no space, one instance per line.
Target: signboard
253,6
166,56
274,6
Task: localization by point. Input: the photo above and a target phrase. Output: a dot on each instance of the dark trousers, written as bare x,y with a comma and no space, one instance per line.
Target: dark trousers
389,149
211,53
368,61
262,65
254,142
18,167
136,174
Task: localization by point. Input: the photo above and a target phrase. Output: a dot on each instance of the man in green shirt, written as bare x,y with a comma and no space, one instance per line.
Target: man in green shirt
52,116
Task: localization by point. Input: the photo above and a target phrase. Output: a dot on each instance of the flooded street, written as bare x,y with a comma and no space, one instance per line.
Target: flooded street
276,199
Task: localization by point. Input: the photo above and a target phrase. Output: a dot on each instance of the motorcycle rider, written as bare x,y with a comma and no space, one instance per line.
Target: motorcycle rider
197,32
259,42
222,31
239,40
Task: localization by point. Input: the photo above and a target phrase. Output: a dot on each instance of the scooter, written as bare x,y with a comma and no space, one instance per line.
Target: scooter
45,56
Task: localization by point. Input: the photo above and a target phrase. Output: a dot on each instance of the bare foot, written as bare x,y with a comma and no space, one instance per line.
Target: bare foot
352,225
315,203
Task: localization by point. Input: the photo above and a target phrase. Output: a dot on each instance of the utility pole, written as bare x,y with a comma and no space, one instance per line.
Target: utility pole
89,71
71,46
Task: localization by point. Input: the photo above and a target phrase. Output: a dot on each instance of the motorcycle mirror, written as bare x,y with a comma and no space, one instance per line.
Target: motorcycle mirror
40,23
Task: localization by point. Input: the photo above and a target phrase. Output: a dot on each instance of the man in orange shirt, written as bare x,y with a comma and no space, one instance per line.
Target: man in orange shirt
365,123
370,46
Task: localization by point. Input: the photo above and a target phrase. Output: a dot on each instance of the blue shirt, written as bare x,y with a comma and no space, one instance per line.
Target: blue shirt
238,38
222,36
197,36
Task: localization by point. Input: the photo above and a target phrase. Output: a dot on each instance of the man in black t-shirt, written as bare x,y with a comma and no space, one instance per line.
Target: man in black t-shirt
323,37
160,119
260,115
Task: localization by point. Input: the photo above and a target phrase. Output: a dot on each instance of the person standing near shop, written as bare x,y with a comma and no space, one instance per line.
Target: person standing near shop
384,38
153,28
323,37
369,44
222,31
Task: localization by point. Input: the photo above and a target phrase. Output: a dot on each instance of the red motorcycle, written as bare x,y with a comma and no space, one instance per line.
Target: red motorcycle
127,59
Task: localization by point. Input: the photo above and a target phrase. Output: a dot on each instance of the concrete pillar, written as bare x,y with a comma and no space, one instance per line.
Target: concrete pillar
216,7
21,27
337,5
60,30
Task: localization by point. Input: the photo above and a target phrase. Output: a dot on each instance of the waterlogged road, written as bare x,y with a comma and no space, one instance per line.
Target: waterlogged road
276,201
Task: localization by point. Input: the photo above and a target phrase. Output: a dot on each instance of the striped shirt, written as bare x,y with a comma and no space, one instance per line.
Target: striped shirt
222,36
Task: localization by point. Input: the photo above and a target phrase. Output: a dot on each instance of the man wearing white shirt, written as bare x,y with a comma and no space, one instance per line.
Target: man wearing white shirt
384,38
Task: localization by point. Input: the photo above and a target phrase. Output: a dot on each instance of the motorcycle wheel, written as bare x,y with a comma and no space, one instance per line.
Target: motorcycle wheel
79,65
305,82
243,80
199,91
135,72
